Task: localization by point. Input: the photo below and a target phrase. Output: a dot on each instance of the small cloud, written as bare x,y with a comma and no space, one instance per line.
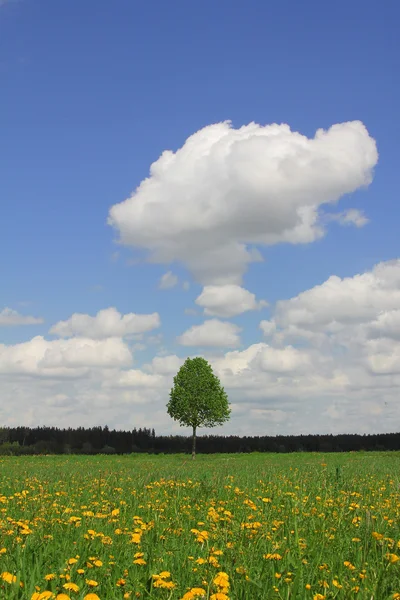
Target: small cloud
212,333
155,340
352,216
228,300
167,281
107,323
190,311
185,285
12,318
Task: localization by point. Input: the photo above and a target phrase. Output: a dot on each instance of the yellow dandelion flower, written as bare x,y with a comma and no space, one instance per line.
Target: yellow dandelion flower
164,574
91,596
392,558
50,576
72,587
161,583
195,592
136,538
221,579
91,583
10,578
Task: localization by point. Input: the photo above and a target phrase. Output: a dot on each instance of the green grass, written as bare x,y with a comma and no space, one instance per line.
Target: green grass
280,526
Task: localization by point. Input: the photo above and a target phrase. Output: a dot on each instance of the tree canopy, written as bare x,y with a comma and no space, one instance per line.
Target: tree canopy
197,398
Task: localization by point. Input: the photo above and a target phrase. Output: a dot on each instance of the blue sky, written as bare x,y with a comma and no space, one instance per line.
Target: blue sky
92,93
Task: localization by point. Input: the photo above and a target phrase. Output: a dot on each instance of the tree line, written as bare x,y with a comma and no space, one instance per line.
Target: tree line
96,440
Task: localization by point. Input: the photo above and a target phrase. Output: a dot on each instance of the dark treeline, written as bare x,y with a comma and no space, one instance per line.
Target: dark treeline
95,440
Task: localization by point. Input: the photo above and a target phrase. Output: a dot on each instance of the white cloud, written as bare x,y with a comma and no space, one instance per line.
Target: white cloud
166,365
352,328
227,300
212,333
57,358
226,190
387,324
134,378
167,281
383,356
338,303
11,318
107,323
352,216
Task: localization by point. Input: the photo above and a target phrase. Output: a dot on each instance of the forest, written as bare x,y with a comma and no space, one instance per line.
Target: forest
103,440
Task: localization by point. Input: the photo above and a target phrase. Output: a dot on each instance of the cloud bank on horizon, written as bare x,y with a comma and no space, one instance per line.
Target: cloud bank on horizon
325,360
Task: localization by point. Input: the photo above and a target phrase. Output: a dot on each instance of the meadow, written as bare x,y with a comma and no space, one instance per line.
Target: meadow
221,527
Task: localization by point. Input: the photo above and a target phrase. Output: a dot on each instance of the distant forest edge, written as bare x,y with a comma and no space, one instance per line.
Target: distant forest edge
102,440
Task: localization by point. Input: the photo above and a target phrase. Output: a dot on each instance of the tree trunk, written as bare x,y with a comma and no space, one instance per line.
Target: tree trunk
194,443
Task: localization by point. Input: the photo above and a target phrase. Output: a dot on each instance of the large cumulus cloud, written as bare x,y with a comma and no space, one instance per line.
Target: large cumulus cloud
228,190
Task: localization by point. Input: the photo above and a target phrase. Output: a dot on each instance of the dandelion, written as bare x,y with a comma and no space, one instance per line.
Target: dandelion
392,558
98,563
10,578
72,587
193,593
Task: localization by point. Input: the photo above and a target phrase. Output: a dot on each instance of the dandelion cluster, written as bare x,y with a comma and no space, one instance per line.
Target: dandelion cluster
224,528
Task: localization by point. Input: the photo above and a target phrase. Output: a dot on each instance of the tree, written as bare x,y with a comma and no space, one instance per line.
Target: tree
197,398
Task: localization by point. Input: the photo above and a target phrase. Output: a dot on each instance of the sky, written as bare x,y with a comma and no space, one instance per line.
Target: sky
214,179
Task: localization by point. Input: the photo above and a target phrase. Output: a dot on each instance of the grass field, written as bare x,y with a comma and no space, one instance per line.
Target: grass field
224,526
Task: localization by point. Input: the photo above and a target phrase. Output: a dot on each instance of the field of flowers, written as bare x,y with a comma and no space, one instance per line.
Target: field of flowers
221,527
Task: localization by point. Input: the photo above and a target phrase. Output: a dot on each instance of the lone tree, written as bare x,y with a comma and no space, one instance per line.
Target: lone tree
198,398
